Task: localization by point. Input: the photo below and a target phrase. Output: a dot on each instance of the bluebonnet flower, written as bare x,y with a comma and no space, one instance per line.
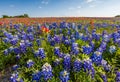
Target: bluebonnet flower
54,25
77,65
50,27
16,50
60,31
10,49
115,35
117,79
9,36
97,37
100,49
90,37
87,64
57,39
62,25
67,42
92,44
103,45
97,57
36,76
14,41
11,25
15,67
38,27
92,72
38,42
63,38
57,51
47,71
106,38
89,67
81,36
23,36
28,44
61,55
6,52
52,42
16,26
87,49
73,26
31,37
36,53
77,35
85,38
6,40
69,32
112,49
79,26
30,29
67,62
5,33
104,33
94,31
104,77
64,76
41,53
23,47
94,35
49,37
14,78
30,63
72,40
74,45
17,57
75,49
105,65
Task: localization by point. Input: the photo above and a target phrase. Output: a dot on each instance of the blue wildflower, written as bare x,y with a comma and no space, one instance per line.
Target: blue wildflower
97,57
30,63
6,40
87,49
16,50
104,77
17,57
77,65
36,76
117,79
23,47
14,41
112,49
47,71
15,67
41,53
57,51
64,76
67,62
31,37
38,42
6,52
14,78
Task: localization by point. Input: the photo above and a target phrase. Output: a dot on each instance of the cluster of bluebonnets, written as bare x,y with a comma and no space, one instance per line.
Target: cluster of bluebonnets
69,52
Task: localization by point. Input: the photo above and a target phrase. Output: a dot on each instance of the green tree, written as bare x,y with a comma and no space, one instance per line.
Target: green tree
5,16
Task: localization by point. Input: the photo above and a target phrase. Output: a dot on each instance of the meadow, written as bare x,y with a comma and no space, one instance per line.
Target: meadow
60,50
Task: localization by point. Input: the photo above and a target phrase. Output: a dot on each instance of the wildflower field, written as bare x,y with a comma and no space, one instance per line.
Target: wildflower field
81,50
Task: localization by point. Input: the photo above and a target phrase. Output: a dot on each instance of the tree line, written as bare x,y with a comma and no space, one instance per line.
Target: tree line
18,16
117,16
